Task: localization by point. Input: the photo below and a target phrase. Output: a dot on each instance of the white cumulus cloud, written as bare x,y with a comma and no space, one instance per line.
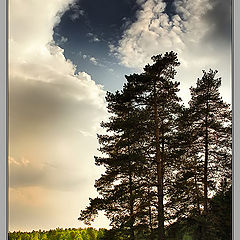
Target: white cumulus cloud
188,32
50,106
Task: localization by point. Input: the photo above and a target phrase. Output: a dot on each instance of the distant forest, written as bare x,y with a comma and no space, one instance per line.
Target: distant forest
59,234
168,167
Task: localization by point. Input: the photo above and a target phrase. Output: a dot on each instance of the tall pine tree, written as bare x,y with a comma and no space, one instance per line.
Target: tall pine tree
120,187
157,93
211,140
211,129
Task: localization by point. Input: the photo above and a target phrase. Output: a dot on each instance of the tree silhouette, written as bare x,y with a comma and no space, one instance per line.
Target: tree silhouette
119,187
211,124
162,160
155,90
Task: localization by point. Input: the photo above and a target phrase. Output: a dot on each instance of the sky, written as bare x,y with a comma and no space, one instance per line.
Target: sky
63,57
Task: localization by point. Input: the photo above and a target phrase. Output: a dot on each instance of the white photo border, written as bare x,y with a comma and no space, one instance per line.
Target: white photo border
3,121
236,117
4,117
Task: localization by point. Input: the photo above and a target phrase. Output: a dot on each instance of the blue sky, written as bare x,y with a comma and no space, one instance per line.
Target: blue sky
63,57
87,30
90,30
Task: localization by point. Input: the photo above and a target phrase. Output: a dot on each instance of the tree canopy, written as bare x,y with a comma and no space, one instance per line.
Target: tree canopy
163,161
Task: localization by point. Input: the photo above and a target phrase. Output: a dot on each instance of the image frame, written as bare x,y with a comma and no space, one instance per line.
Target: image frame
3,120
4,117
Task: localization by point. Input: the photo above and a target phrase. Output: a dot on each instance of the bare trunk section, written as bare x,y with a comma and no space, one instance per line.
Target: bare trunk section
205,175
198,202
161,234
150,216
205,180
197,190
132,236
131,201
198,205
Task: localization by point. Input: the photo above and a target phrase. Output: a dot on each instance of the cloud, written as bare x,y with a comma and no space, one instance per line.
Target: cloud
25,174
93,60
49,107
96,39
48,214
46,175
220,17
60,39
155,31
77,12
63,39
93,37
191,32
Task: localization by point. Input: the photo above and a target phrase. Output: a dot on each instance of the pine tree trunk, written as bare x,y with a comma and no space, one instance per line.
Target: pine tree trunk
131,202
161,235
197,190
206,167
150,216
131,212
205,203
132,236
160,203
205,177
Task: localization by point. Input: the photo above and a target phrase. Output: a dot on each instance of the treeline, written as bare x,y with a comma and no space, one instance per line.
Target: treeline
59,234
167,166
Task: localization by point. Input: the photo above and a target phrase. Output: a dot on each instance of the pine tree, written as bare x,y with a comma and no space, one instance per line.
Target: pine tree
187,182
119,187
157,93
162,160
210,126
211,123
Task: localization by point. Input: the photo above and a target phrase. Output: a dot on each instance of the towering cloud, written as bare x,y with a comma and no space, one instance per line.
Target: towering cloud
195,30
53,118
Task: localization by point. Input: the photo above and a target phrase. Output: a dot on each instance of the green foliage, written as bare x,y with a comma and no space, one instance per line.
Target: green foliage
220,214
59,234
217,225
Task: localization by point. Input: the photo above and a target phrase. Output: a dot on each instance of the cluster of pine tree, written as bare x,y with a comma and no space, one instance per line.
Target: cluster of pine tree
59,234
164,162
